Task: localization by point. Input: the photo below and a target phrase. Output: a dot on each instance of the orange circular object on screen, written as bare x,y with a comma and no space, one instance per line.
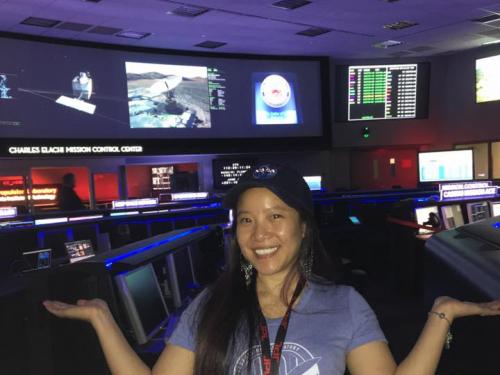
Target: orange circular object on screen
275,91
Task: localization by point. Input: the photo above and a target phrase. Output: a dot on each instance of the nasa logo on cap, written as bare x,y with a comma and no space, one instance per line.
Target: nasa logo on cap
264,172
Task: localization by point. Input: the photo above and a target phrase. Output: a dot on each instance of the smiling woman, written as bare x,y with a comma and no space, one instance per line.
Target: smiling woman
269,233
274,311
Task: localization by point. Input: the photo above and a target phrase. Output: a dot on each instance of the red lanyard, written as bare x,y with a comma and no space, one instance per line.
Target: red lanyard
271,363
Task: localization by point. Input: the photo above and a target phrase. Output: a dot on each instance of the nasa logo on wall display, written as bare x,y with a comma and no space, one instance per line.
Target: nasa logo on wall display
275,100
275,91
264,172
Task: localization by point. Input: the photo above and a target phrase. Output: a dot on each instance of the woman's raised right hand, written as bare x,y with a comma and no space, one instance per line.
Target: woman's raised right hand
88,310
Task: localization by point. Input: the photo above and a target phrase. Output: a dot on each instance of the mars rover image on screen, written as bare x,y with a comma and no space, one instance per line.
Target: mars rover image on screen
167,96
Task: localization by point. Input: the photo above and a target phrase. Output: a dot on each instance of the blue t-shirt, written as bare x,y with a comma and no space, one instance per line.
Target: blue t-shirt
327,323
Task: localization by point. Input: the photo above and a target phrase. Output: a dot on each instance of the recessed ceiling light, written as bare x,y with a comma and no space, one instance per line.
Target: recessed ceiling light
388,44
132,34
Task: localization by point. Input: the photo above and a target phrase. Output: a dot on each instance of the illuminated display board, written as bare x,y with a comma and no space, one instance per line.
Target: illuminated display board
89,99
382,92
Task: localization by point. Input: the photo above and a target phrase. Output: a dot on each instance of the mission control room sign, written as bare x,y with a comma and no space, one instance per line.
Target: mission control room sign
74,150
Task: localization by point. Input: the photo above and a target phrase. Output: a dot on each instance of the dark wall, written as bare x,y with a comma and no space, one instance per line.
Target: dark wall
454,116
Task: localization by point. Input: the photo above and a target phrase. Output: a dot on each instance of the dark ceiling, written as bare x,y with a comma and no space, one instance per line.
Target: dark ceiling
350,28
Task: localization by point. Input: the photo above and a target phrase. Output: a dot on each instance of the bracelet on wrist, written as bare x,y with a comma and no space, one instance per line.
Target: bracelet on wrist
449,336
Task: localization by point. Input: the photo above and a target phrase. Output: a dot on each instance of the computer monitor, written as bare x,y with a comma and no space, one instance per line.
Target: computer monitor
495,208
79,250
445,166
452,216
143,301
355,220
477,211
227,171
427,216
37,259
314,182
186,273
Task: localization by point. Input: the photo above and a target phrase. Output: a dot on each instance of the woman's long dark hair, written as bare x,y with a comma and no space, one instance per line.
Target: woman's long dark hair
230,305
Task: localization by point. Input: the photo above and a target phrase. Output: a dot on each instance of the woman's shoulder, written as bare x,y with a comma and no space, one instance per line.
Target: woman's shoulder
323,286
329,294
192,306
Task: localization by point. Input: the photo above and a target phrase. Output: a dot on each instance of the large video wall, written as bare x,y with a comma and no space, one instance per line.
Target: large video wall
60,91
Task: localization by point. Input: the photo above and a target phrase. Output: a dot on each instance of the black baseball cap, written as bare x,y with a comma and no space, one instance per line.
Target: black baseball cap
282,180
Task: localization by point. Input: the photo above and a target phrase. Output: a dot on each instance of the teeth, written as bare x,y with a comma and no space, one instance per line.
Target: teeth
266,251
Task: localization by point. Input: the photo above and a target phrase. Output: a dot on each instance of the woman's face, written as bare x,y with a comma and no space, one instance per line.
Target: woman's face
268,231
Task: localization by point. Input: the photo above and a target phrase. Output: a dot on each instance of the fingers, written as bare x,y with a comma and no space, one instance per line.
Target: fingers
490,308
55,305
66,310
57,308
455,308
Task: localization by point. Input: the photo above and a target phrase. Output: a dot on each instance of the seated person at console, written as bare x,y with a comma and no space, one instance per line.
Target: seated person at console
67,198
276,290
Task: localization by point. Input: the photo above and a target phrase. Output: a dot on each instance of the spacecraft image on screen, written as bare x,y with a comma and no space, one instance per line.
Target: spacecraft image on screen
167,96
275,102
5,89
82,91
9,100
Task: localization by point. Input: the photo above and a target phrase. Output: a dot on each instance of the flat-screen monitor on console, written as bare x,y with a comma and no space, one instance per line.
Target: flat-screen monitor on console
37,259
428,216
452,216
314,182
477,211
143,301
79,250
495,208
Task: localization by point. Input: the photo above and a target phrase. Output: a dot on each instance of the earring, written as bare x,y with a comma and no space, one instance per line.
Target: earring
247,270
306,263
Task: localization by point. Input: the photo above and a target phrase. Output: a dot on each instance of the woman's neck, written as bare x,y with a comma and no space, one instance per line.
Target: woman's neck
270,293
